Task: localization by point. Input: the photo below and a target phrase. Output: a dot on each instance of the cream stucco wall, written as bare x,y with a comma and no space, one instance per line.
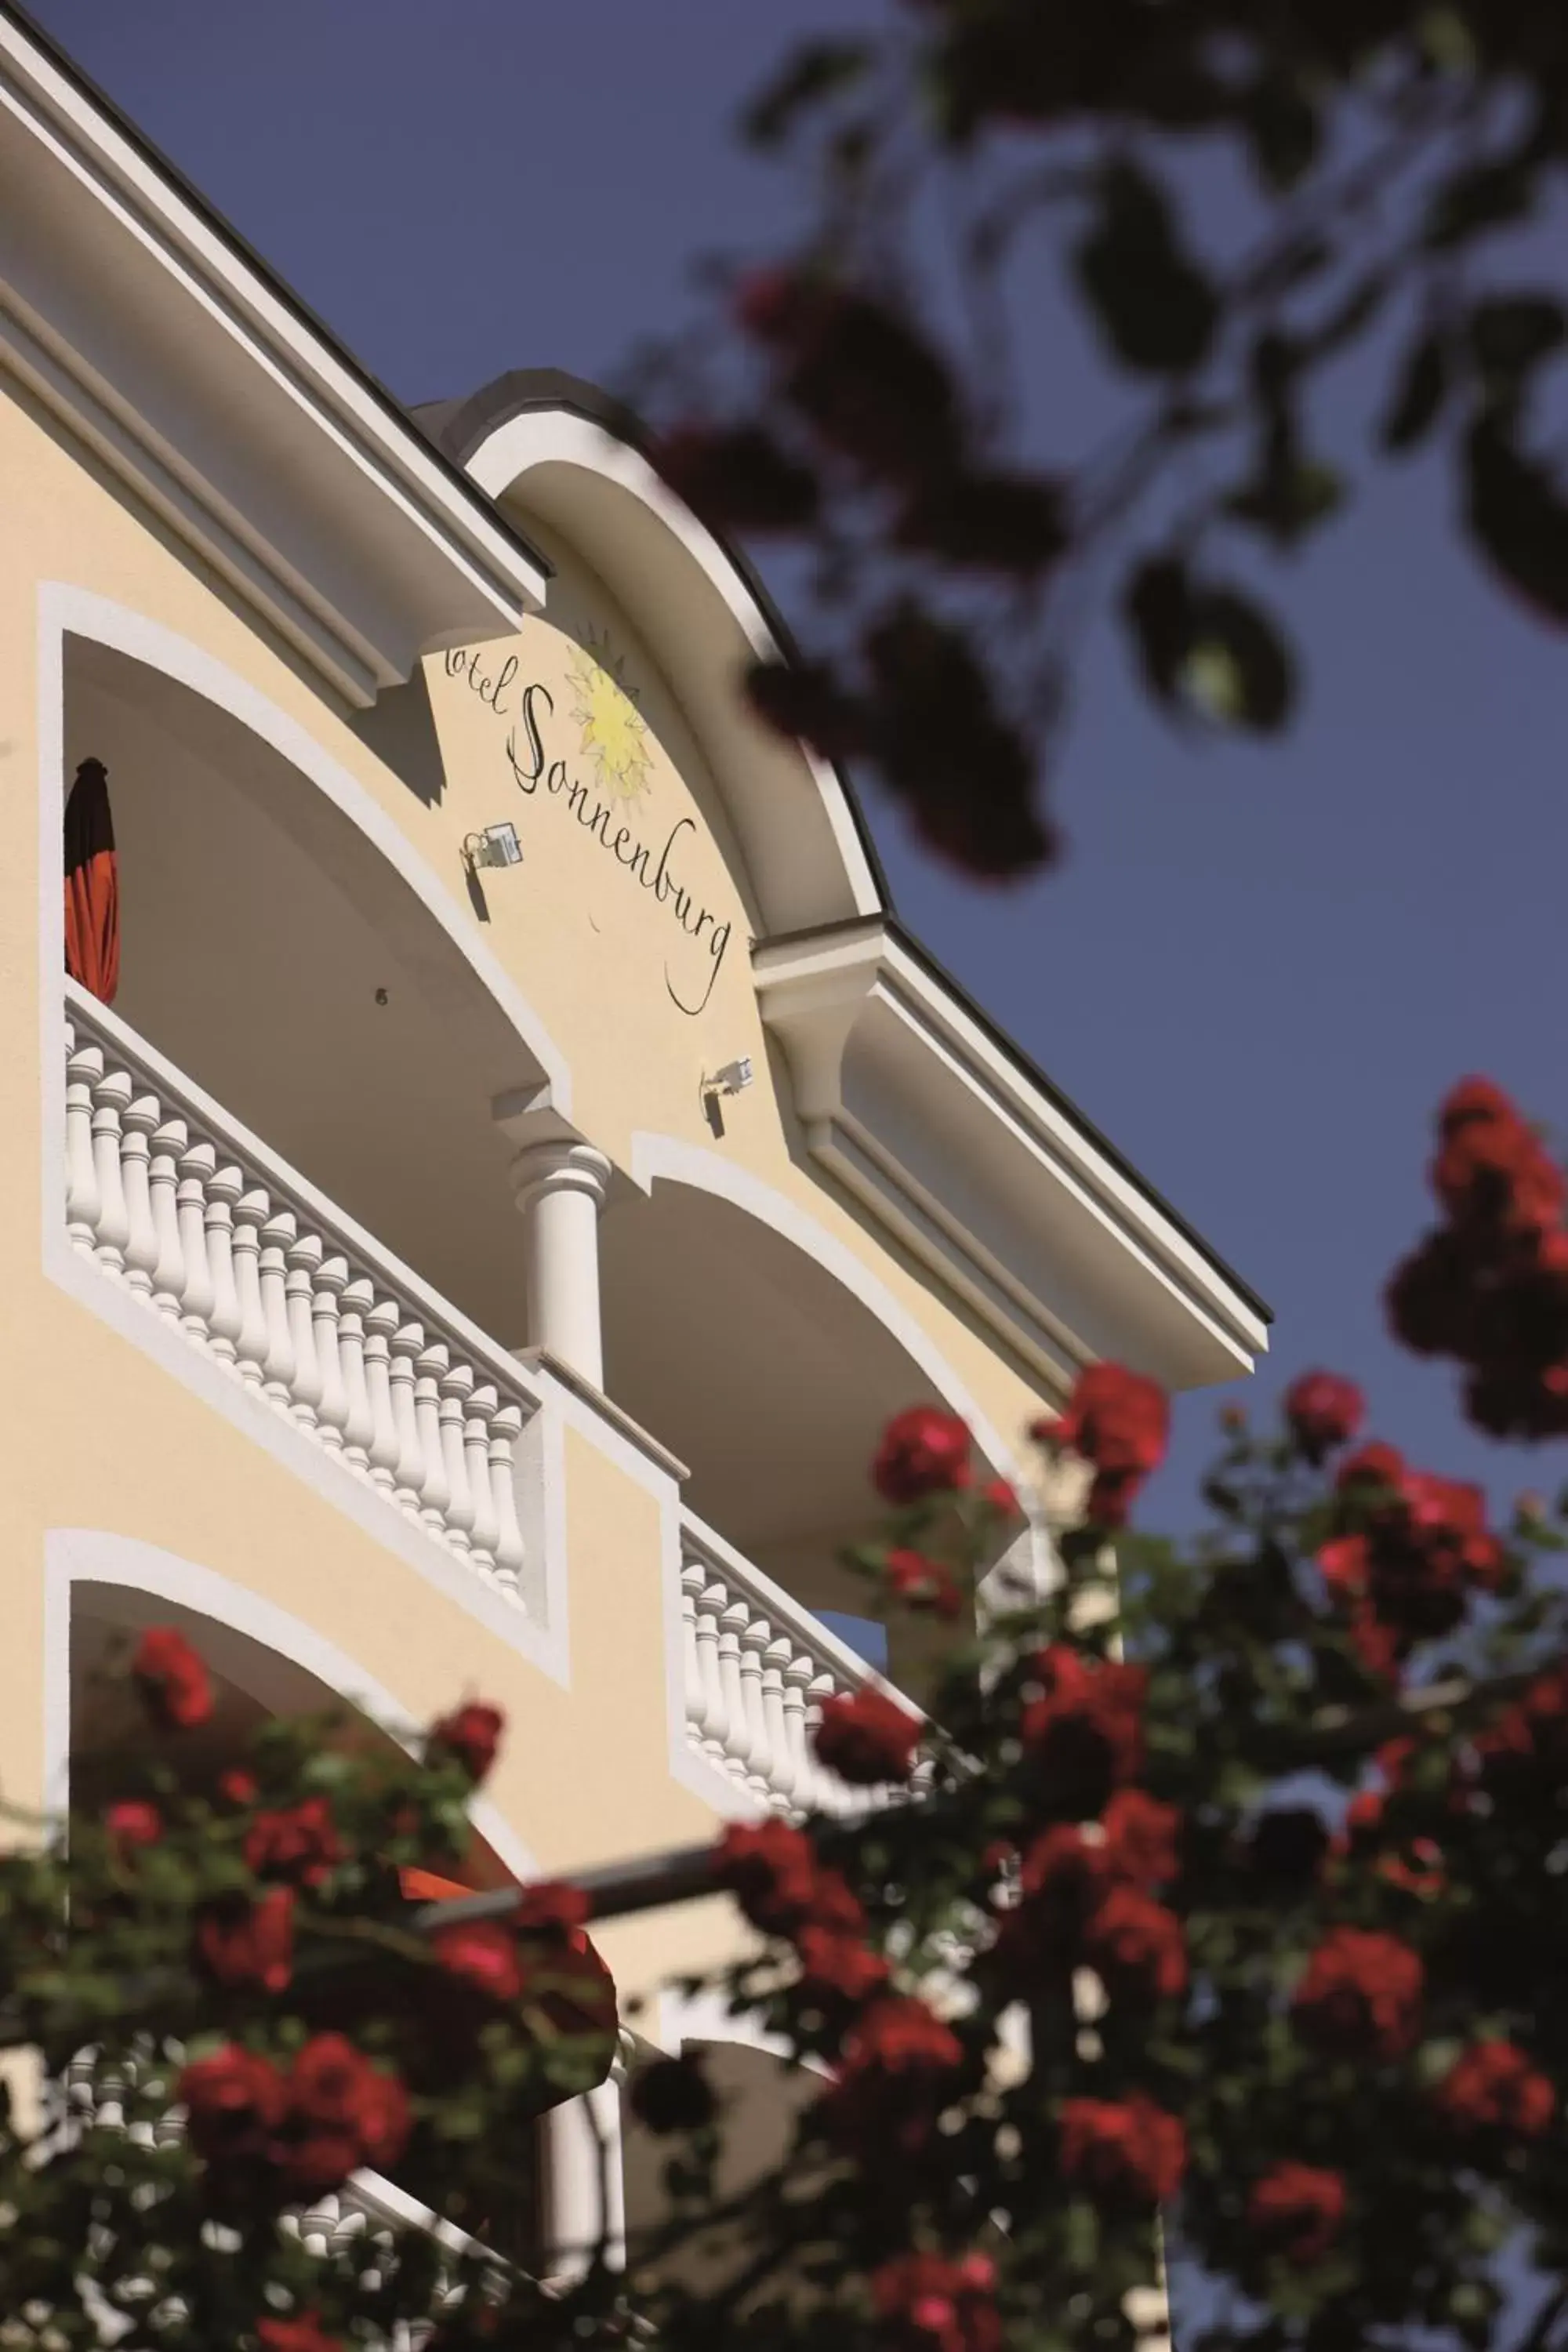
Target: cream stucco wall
103,1437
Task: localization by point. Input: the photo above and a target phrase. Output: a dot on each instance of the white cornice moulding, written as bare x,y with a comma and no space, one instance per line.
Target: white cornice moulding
916,1110
133,320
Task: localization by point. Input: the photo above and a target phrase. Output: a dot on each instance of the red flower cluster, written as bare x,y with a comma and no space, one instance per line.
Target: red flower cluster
1137,1946
173,1682
1122,2150
471,1735
1082,1728
1080,1902
923,1451
305,2131
1493,2088
1410,1550
924,1584
239,1943
1297,2210
1489,1286
1120,1423
930,2303
483,1953
132,1823
1142,1838
897,2070
1360,1995
1323,1411
1528,1742
867,1738
773,1872
298,1843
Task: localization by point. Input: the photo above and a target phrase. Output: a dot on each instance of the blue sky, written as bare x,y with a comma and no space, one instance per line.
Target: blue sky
1259,967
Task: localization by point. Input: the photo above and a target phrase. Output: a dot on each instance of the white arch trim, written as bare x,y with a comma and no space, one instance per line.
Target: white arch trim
546,437
75,1556
67,610
658,1159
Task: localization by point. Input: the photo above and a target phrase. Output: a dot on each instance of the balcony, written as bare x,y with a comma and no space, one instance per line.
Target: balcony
393,1399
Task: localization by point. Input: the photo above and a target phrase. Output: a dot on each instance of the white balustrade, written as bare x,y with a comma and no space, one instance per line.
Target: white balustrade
203,1226
757,1667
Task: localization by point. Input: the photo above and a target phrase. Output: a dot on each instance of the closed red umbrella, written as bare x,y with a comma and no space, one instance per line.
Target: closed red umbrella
92,884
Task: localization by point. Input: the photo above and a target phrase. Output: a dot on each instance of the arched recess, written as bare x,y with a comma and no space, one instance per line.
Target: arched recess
561,454
265,1660
287,947
769,1357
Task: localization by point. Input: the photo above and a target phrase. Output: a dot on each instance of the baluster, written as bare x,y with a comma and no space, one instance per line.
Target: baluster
326,1310
318,2222
454,1388
304,1259
110,1097
198,1167
796,1682
505,1429
251,1212
755,1636
780,1754
278,1237
169,1143
731,1624
384,1445
224,1189
407,1343
485,1533
693,1580
829,1794
141,1117
359,1419
711,1603
84,1067
435,1493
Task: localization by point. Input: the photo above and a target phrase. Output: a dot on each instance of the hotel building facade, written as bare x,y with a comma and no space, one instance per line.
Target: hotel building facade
524,1160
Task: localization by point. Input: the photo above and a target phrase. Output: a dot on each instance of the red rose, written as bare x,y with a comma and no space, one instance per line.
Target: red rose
894,2075
1002,1496
470,1734
932,2304
1529,1739
1323,1411
1343,1563
922,1583
1494,2088
1137,1945
1120,1423
1123,2149
772,1870
1084,1730
836,1961
234,2101
1490,1168
1360,1995
1370,1466
238,1789
342,2111
866,1739
1062,1879
551,1907
299,1844
923,1451
1142,1838
132,1823
483,1952
241,1943
171,1679
304,2334
1296,2210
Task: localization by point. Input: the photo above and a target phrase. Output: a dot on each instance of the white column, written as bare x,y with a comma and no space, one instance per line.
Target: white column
560,1187
584,2189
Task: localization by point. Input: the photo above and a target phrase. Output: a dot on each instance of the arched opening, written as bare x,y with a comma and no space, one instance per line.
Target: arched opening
279,958
771,1380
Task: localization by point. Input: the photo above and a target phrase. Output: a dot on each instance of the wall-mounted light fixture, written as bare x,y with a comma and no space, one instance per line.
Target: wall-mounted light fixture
733,1079
497,846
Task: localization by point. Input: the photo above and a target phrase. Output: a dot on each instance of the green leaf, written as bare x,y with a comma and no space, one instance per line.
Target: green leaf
1484,196
1157,608
1288,496
1154,303
816,71
1425,381
1283,125
1517,515
1512,333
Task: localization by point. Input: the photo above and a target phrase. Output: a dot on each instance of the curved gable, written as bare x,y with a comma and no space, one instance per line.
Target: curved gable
551,448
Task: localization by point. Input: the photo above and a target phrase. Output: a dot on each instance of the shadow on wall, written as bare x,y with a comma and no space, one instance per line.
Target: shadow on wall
400,729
